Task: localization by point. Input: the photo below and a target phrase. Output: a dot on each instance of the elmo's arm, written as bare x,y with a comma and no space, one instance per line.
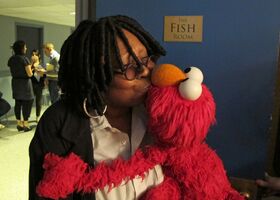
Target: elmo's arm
167,190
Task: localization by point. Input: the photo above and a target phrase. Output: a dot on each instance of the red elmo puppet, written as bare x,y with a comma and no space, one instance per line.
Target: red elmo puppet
181,111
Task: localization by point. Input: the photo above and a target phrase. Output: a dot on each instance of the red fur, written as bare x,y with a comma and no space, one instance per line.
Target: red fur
120,170
180,127
63,176
176,121
167,190
193,171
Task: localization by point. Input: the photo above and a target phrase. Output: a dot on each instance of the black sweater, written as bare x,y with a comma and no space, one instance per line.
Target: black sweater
61,130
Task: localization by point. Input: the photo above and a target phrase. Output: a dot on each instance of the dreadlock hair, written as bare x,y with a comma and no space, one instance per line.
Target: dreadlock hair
89,54
18,47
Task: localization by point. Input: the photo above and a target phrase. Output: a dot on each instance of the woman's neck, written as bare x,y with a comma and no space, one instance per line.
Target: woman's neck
120,118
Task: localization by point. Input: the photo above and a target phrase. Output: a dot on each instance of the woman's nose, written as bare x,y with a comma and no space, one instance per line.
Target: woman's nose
146,70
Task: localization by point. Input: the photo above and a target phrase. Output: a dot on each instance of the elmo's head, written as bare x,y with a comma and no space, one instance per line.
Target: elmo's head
180,107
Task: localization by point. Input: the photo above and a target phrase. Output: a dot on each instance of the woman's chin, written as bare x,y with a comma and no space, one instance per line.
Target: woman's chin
139,99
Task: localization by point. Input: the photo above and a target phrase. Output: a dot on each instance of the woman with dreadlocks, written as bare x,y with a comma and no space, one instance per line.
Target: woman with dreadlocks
104,75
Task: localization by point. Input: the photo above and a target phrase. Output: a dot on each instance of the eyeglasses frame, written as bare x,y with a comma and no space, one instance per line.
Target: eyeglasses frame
134,66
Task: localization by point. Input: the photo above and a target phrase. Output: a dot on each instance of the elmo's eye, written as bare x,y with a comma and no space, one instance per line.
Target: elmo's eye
194,73
190,89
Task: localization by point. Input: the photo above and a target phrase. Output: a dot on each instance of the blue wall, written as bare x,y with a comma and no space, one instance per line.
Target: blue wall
238,56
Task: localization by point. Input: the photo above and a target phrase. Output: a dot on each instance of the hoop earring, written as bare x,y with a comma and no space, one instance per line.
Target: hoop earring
87,113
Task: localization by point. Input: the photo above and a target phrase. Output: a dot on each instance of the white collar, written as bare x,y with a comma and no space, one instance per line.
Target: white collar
138,125
53,54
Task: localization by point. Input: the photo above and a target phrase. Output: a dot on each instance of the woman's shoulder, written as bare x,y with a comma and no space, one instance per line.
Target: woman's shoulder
61,108
62,118
54,116
17,59
57,108
11,60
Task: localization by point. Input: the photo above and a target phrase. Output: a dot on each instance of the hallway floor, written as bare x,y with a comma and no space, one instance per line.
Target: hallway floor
14,162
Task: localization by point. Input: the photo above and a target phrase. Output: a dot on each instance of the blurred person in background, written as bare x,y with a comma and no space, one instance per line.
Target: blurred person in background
22,90
52,71
4,108
38,81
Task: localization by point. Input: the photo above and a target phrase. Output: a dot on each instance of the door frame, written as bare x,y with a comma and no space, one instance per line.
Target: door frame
273,150
41,27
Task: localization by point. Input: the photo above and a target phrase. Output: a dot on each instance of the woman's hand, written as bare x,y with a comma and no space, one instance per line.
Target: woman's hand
40,71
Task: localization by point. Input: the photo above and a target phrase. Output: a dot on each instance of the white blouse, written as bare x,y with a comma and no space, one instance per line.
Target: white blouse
110,143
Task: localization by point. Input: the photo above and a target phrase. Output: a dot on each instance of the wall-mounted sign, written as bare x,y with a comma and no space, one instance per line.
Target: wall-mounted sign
183,28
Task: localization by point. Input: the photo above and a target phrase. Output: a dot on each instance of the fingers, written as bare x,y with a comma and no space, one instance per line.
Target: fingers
265,182
269,182
267,176
262,183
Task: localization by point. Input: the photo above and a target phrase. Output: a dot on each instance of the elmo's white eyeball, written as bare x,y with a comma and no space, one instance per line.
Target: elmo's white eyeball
190,89
195,74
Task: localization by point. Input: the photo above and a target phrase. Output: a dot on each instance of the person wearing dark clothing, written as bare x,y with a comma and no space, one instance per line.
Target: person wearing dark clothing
4,108
104,76
21,72
38,81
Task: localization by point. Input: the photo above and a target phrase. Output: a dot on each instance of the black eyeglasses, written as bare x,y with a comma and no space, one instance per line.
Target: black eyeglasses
131,70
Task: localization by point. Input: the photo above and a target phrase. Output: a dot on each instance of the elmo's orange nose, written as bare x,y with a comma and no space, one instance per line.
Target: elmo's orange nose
167,75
